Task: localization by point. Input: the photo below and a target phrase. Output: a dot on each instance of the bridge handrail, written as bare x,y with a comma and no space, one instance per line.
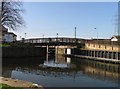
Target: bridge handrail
50,40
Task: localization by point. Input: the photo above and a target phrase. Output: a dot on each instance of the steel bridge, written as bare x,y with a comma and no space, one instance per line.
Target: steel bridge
54,41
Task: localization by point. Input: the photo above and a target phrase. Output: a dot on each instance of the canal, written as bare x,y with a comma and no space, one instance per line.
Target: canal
60,71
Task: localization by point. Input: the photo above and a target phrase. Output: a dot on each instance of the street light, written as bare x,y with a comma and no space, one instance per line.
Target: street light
75,32
97,36
57,35
43,36
97,32
25,35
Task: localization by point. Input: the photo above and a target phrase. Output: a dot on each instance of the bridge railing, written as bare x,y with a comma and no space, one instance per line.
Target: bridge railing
50,40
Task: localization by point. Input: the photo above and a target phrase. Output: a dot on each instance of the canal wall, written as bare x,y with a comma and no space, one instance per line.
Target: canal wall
102,47
97,54
98,51
23,51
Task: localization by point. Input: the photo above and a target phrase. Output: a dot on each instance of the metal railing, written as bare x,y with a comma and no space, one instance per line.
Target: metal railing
52,40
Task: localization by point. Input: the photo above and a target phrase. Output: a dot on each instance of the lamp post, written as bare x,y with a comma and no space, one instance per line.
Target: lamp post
43,37
96,32
25,35
75,33
57,36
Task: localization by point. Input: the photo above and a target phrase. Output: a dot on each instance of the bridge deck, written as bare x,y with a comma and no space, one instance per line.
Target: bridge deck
54,41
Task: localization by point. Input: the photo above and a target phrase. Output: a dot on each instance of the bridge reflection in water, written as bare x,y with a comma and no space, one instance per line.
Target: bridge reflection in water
66,72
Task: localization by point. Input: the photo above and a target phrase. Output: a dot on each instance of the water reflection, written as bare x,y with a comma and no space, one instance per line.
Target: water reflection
64,71
100,70
103,72
58,61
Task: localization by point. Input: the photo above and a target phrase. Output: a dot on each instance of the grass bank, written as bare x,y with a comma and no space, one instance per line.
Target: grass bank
5,86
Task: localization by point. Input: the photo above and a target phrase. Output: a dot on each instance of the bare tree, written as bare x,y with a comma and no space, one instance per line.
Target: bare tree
11,11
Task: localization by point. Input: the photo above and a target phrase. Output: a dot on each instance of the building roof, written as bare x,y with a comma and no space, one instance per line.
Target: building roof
118,37
12,33
4,29
115,38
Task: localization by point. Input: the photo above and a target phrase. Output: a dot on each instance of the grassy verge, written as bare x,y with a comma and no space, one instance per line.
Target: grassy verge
5,86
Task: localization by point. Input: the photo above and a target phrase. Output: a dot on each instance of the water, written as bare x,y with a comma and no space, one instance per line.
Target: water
60,71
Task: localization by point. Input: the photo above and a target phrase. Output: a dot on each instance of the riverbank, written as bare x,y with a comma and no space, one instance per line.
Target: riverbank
19,83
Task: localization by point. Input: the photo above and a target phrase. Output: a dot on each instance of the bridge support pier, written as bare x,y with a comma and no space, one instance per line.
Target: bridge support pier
61,50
